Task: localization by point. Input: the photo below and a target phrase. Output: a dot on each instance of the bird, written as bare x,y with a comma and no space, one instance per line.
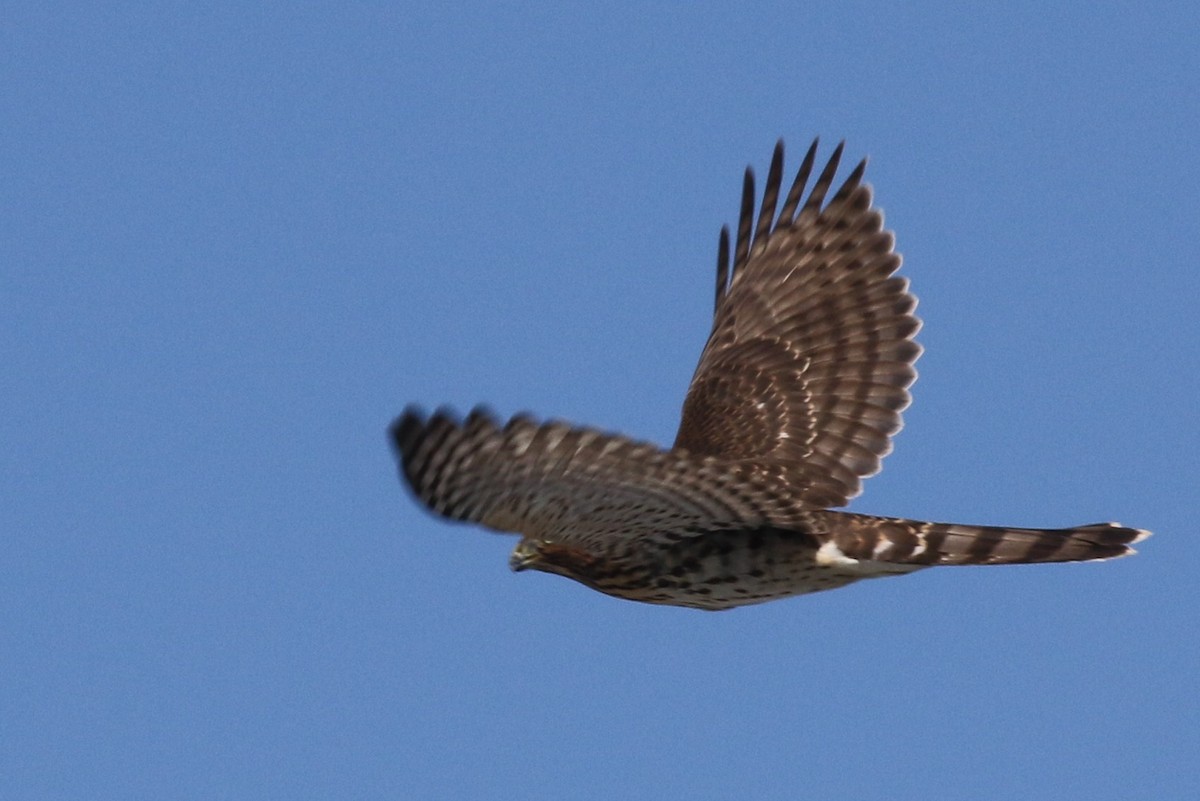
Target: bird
796,397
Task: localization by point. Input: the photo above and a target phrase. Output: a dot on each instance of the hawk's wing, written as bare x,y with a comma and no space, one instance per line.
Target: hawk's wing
554,479
811,353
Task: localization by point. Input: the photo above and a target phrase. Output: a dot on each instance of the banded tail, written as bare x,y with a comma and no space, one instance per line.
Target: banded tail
912,542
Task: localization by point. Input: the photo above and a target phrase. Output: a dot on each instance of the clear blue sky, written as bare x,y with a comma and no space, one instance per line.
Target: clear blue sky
235,241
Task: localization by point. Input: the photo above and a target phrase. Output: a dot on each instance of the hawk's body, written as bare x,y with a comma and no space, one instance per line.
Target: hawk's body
795,398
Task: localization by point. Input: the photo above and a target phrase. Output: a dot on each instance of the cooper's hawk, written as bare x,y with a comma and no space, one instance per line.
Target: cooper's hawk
798,390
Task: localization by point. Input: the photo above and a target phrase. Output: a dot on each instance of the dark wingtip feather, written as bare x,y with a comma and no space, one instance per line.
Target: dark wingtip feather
851,184
405,431
821,188
788,213
722,267
745,221
857,175
766,214
417,440
481,413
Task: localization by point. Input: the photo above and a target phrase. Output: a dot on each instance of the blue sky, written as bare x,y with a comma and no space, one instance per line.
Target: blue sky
235,241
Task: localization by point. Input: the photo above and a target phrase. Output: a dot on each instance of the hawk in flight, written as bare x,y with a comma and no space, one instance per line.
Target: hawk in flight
797,393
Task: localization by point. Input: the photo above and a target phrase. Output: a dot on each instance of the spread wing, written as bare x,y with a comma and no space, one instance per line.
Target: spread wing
552,478
811,353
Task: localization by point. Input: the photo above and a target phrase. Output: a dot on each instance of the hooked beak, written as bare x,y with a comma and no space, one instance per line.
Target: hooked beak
522,558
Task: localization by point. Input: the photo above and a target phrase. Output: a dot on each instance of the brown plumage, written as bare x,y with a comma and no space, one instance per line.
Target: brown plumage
796,396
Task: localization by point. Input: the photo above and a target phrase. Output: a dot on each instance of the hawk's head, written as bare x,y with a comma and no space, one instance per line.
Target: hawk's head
551,557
